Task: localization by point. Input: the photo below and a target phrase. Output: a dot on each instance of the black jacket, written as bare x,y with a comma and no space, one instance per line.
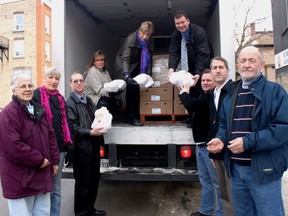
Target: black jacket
80,124
57,116
214,120
197,47
200,108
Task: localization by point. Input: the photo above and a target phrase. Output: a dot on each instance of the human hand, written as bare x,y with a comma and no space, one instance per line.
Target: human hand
97,132
45,163
236,146
171,70
112,94
130,81
184,88
196,77
55,170
215,145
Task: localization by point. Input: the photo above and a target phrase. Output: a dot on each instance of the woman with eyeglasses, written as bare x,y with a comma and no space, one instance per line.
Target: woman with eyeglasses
95,78
54,104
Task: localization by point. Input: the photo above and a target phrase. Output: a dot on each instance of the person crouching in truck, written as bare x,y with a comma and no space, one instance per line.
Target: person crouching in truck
200,118
134,58
87,141
95,78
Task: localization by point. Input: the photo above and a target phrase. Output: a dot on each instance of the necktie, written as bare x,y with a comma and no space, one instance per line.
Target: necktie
184,57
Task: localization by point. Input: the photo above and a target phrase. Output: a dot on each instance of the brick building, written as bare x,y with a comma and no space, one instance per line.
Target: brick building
263,40
25,41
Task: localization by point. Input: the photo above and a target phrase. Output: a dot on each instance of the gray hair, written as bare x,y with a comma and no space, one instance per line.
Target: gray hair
219,58
15,80
52,71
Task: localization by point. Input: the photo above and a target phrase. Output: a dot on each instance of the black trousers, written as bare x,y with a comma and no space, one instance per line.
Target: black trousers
132,102
86,169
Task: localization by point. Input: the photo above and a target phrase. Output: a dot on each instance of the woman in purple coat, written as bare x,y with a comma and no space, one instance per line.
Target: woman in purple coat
28,152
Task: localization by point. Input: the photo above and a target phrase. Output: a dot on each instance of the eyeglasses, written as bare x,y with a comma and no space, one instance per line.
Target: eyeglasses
78,81
24,87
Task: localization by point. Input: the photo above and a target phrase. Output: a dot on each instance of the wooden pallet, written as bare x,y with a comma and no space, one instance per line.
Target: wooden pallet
162,118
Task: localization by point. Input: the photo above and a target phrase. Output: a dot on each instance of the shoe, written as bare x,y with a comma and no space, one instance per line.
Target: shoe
135,122
187,120
198,214
99,213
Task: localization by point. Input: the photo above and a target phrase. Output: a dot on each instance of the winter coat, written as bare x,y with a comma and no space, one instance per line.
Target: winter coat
200,120
197,48
129,56
80,124
25,140
95,80
57,116
268,141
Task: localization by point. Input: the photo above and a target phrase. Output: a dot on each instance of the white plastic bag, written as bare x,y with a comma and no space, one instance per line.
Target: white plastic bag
103,119
115,85
144,80
181,78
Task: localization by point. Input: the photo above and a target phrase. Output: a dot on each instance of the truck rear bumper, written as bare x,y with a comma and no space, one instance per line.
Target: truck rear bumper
141,174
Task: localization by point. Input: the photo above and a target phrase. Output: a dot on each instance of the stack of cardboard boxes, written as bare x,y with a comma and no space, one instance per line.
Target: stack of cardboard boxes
162,98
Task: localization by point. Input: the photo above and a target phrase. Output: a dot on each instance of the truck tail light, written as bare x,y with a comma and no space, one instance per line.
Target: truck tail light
102,151
185,151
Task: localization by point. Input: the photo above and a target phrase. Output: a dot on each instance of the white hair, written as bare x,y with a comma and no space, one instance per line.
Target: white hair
15,79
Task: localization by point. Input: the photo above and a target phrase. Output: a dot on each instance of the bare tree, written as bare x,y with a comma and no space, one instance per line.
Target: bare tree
246,34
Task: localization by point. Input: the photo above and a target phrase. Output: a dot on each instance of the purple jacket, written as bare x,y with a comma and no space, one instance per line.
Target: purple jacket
25,140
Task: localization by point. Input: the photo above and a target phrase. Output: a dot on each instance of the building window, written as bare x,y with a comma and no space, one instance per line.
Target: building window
47,24
19,48
47,51
19,22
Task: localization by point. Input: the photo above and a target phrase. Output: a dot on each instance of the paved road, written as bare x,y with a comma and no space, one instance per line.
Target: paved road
141,198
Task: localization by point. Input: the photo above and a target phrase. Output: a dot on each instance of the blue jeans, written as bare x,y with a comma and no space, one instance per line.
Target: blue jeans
208,179
252,198
56,194
32,205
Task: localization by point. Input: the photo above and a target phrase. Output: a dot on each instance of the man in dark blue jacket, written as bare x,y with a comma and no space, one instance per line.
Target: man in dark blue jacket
253,126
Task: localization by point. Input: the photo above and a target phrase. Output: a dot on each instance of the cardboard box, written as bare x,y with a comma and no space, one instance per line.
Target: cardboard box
160,70
157,94
157,108
176,93
178,108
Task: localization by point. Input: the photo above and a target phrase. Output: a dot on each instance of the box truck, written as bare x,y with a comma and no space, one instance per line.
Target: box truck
154,152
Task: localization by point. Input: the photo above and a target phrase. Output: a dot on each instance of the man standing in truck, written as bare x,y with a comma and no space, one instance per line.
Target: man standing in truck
134,58
189,45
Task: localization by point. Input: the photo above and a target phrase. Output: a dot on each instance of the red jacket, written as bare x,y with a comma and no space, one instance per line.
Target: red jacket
25,140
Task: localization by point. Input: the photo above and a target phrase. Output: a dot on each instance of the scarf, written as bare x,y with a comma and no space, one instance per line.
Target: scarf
45,97
145,54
